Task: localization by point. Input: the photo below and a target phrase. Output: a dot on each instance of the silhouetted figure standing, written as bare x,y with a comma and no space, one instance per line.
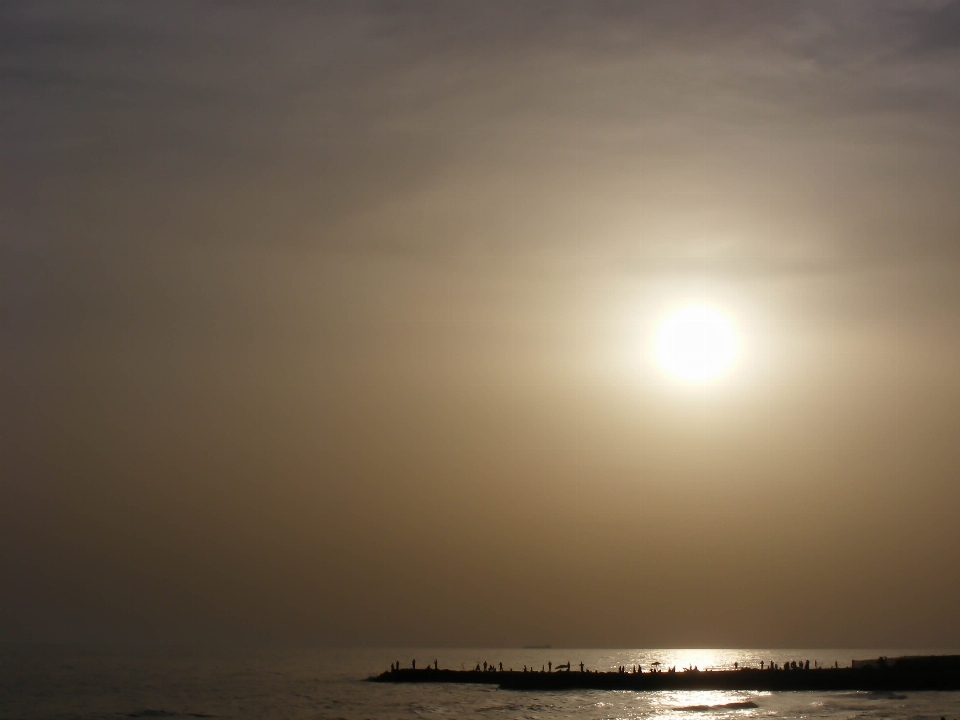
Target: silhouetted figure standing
550,666
501,667
581,667
435,665
413,664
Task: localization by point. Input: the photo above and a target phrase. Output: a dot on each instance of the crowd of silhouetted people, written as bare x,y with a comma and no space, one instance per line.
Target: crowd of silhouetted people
792,665
488,667
928,673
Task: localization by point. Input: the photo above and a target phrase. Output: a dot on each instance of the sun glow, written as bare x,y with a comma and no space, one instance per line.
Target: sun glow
696,344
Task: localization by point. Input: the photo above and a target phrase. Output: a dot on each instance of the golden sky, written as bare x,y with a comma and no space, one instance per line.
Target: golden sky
337,323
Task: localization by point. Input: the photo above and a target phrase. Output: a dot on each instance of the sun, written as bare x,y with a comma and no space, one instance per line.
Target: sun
696,344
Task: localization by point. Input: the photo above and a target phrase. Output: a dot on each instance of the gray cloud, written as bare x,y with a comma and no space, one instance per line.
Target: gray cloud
431,131
305,268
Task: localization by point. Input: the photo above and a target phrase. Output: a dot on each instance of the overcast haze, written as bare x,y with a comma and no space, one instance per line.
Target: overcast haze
331,323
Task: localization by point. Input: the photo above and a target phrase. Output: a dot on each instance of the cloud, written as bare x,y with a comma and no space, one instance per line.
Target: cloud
743,139
282,283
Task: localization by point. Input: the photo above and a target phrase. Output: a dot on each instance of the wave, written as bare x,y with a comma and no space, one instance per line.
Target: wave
746,705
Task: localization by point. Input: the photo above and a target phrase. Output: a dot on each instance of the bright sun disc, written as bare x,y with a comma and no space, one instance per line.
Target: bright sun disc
696,344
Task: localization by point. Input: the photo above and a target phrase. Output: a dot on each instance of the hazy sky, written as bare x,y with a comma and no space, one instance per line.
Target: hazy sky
332,323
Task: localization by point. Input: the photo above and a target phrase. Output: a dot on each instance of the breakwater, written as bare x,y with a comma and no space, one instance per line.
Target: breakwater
882,674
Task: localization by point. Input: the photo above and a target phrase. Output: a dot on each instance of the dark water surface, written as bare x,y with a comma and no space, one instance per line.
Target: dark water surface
190,682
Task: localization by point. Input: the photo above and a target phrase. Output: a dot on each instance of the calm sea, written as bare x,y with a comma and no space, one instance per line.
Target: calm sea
189,682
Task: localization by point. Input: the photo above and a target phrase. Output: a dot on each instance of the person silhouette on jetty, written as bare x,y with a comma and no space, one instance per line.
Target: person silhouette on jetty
550,665
581,667
501,667
435,664
413,664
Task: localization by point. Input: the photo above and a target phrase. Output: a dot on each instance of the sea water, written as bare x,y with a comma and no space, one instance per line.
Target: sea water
115,682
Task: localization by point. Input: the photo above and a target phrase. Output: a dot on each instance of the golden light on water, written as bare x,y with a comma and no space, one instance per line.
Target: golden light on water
696,344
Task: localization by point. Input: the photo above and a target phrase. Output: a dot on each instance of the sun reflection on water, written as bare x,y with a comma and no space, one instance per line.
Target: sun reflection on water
700,659
703,703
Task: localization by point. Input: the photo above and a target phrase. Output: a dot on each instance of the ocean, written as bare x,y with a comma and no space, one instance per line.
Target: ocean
114,682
